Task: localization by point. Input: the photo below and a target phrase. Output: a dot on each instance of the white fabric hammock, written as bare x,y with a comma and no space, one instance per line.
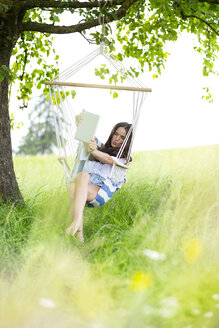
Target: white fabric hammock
71,153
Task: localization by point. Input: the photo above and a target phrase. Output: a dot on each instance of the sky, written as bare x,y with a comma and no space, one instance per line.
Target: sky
174,115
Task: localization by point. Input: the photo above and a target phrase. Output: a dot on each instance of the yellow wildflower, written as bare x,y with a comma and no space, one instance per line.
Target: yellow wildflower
141,280
192,249
91,313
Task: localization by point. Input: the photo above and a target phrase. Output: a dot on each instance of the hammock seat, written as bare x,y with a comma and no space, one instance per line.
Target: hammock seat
111,184
72,154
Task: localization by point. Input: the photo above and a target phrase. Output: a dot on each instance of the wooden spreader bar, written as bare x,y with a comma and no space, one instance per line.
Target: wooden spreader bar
98,86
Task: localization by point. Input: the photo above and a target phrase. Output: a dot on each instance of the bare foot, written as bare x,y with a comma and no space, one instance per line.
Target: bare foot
70,230
75,229
79,236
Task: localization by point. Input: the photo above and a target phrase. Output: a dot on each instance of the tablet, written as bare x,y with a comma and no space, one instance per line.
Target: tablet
87,127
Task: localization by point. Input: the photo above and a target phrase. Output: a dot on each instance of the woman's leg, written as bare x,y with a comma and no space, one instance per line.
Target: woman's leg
80,191
71,196
77,192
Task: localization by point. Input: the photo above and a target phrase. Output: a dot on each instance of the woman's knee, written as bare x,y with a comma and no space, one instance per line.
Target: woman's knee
83,175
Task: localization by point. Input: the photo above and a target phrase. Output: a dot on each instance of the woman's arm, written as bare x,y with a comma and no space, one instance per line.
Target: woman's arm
102,157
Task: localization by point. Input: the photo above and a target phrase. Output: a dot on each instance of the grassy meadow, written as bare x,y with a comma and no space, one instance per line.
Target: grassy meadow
150,257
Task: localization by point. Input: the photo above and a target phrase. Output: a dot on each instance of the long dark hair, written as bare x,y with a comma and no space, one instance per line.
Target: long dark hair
113,151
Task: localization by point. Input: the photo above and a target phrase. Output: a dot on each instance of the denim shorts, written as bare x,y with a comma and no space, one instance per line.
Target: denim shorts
96,179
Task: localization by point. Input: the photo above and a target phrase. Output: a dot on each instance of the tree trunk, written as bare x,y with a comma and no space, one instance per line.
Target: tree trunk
9,190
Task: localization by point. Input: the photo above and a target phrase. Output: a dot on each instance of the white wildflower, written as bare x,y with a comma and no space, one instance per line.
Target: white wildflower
195,311
45,302
169,307
208,314
154,255
215,297
97,325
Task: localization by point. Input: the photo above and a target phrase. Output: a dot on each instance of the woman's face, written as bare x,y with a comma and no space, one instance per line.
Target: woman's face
118,137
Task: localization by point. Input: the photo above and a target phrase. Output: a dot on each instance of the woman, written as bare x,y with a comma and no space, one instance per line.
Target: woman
85,186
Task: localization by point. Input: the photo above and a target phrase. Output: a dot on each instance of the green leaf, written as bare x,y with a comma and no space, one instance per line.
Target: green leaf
39,85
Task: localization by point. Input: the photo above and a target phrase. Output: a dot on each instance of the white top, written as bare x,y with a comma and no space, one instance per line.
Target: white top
100,168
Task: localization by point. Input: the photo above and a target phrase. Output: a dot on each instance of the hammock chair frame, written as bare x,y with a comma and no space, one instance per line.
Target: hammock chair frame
98,86
64,119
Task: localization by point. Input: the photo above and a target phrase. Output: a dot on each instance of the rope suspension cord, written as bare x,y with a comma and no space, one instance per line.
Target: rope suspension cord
136,113
67,119
87,59
64,119
136,85
73,69
102,23
68,115
64,116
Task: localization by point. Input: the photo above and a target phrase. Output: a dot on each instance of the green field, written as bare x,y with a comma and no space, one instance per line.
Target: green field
170,204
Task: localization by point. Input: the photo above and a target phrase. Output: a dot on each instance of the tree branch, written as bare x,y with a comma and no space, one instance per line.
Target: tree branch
216,2
70,4
50,28
203,21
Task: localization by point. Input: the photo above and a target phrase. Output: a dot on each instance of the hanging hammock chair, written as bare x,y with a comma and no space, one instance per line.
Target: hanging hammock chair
72,154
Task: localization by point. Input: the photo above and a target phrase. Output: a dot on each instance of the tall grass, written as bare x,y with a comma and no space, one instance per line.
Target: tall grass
170,204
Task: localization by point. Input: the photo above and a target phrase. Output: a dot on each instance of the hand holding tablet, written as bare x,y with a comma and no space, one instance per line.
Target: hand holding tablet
86,126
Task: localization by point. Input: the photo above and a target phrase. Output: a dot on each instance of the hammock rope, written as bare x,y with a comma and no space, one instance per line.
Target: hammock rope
72,154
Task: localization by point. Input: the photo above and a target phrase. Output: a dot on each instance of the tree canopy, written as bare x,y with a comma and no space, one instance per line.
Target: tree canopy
141,28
